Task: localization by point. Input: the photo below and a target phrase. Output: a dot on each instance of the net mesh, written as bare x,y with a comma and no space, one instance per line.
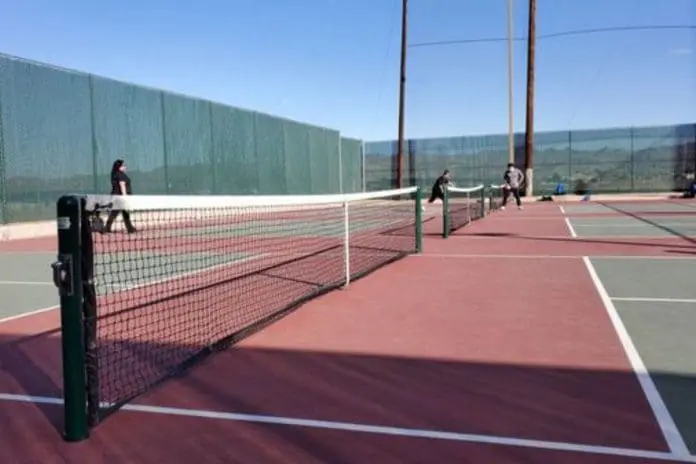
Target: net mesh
495,197
200,272
462,206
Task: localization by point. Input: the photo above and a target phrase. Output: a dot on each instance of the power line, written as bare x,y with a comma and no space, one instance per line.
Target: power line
555,35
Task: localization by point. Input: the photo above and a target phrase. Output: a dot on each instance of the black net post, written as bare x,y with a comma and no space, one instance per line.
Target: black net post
67,276
419,221
483,202
445,214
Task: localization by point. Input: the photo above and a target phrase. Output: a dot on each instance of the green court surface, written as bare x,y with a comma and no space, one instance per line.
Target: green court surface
627,221
607,207
26,283
26,280
656,301
625,226
119,271
664,336
274,229
29,268
649,278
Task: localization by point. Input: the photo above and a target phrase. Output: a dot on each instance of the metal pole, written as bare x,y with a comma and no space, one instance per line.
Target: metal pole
346,244
511,92
340,163
402,95
362,166
529,129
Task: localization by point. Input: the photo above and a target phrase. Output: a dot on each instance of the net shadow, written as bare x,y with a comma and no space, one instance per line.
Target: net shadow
520,400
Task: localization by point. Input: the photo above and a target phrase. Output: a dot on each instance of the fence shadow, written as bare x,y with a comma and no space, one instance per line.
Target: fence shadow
501,398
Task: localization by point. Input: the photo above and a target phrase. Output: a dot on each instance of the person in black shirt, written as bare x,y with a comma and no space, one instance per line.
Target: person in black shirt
120,185
438,190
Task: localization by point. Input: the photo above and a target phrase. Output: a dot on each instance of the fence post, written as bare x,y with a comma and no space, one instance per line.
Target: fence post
570,159
483,201
445,214
340,163
4,219
95,145
213,160
362,165
693,149
631,135
164,144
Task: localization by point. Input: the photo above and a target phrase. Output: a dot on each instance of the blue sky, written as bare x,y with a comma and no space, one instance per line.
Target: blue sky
335,62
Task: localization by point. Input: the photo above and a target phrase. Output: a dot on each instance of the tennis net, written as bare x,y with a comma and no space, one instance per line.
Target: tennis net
199,274
461,207
495,197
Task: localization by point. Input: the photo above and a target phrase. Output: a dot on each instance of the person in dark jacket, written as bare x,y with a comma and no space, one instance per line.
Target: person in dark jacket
120,185
438,190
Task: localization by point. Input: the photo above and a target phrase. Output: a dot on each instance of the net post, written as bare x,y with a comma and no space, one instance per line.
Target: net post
483,202
67,276
490,199
419,221
468,207
445,214
346,243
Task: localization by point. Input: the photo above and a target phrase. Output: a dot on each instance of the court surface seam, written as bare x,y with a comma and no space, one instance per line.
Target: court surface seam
664,420
378,430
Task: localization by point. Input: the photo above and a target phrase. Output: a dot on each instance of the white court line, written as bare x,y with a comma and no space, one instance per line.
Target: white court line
27,252
23,282
562,209
570,228
30,313
686,225
664,419
531,217
529,256
380,430
565,237
133,287
656,300
491,256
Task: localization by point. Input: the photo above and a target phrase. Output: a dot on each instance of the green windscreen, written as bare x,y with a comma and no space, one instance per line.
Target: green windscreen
188,138
61,131
45,143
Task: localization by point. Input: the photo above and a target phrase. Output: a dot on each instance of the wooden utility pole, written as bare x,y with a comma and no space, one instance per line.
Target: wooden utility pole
402,96
529,129
511,91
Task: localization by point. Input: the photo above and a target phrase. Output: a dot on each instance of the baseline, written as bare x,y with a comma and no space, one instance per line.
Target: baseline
378,430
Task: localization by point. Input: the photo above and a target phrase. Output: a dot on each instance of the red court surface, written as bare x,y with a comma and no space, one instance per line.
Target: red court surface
480,350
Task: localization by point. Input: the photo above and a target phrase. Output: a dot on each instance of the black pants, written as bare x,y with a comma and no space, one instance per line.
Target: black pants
126,219
436,193
515,192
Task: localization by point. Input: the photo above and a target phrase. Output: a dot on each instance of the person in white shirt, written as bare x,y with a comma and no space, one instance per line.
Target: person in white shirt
513,181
